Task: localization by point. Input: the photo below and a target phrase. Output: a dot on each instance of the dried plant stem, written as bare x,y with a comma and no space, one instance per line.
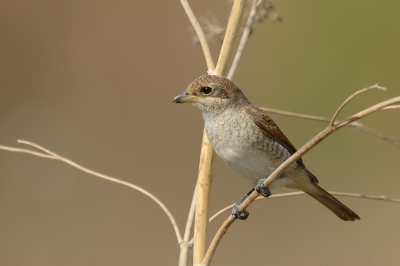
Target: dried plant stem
372,109
360,126
391,107
12,149
391,140
185,244
183,254
205,174
206,159
334,126
376,86
226,48
200,35
52,155
300,193
243,40
206,153
217,239
298,115
204,181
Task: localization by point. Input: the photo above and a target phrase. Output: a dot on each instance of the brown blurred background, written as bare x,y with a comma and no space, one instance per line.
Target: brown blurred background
94,81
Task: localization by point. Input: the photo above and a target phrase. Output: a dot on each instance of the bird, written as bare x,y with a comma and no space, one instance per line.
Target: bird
251,144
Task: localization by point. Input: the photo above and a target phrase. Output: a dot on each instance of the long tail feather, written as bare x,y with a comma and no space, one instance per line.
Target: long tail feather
333,204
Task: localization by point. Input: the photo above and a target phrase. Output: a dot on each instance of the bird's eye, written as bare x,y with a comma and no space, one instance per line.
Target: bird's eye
206,90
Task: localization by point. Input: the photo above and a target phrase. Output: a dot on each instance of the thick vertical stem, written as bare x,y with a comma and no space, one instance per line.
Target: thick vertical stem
203,192
206,156
231,29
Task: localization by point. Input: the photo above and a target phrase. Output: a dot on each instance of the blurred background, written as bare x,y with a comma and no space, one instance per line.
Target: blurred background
94,81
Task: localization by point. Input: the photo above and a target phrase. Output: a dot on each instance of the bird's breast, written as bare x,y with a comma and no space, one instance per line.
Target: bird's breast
243,147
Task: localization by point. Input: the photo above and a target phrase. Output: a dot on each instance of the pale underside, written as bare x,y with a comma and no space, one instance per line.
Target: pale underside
255,158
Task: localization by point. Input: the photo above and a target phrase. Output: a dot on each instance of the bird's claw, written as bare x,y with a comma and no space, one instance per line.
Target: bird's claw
237,214
260,188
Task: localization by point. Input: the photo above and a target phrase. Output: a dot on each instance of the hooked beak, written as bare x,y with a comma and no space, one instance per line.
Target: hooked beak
184,98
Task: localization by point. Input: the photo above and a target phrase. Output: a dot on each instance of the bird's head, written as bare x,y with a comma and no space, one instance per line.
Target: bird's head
213,94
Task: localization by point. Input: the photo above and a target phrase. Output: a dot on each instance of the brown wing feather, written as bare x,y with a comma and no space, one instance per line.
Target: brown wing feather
269,128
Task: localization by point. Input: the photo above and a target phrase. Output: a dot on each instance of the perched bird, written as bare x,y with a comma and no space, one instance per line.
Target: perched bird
250,143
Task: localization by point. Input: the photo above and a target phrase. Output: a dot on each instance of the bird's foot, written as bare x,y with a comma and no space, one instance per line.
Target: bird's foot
260,188
238,214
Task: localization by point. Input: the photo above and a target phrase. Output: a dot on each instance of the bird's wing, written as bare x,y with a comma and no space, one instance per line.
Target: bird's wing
269,128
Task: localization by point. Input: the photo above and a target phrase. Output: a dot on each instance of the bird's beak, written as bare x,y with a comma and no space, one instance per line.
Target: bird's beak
184,98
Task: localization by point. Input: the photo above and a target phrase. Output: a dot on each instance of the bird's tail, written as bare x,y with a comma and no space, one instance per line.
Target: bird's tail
333,204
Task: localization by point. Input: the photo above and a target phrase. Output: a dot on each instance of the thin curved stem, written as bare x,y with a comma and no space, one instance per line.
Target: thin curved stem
204,182
190,219
375,86
186,244
300,193
7,148
231,29
377,107
206,154
360,126
243,40
106,177
393,107
200,35
297,115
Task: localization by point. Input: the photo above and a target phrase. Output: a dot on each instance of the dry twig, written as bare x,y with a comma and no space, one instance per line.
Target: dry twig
245,37
186,244
301,193
200,35
360,126
206,153
52,155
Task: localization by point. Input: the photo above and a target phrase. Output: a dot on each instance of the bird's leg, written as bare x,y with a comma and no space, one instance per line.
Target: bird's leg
260,188
236,213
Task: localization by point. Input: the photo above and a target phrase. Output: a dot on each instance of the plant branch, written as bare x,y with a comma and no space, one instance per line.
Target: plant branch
200,35
206,154
52,155
390,140
376,86
245,37
300,193
377,107
391,107
360,126
12,149
186,244
297,115
204,181
231,29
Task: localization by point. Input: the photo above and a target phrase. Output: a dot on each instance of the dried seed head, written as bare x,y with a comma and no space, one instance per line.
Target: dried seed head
212,28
